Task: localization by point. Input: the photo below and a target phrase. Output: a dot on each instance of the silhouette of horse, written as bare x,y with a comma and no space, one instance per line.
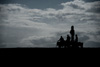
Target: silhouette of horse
80,45
61,44
69,45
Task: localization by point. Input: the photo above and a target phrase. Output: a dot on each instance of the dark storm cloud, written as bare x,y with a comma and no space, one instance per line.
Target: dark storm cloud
95,8
84,38
40,4
93,44
1,38
98,33
75,6
12,36
92,18
90,0
1,42
45,42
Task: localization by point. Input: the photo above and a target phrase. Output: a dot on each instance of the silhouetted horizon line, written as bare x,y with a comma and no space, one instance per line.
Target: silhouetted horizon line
39,47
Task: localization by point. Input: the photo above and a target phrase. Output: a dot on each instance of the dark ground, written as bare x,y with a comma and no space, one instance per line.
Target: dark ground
35,52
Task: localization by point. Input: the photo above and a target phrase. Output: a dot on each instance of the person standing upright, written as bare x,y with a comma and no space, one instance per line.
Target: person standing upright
72,32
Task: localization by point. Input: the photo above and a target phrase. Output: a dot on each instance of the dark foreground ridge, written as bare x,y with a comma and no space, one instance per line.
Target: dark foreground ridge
70,42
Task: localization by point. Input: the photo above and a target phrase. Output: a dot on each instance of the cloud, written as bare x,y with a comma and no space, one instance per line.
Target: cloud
94,7
45,42
76,4
93,44
25,26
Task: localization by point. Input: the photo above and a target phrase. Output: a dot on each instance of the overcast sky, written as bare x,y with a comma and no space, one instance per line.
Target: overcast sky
40,23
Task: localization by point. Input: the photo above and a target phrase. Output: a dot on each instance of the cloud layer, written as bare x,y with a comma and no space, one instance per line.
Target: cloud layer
25,27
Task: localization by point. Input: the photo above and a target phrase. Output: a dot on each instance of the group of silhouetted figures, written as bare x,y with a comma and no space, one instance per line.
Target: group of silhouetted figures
70,42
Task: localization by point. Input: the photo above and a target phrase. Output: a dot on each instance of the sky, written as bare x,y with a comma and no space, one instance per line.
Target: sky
40,23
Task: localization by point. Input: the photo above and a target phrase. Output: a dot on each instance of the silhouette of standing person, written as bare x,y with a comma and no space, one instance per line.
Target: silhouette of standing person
68,38
72,32
68,41
76,40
